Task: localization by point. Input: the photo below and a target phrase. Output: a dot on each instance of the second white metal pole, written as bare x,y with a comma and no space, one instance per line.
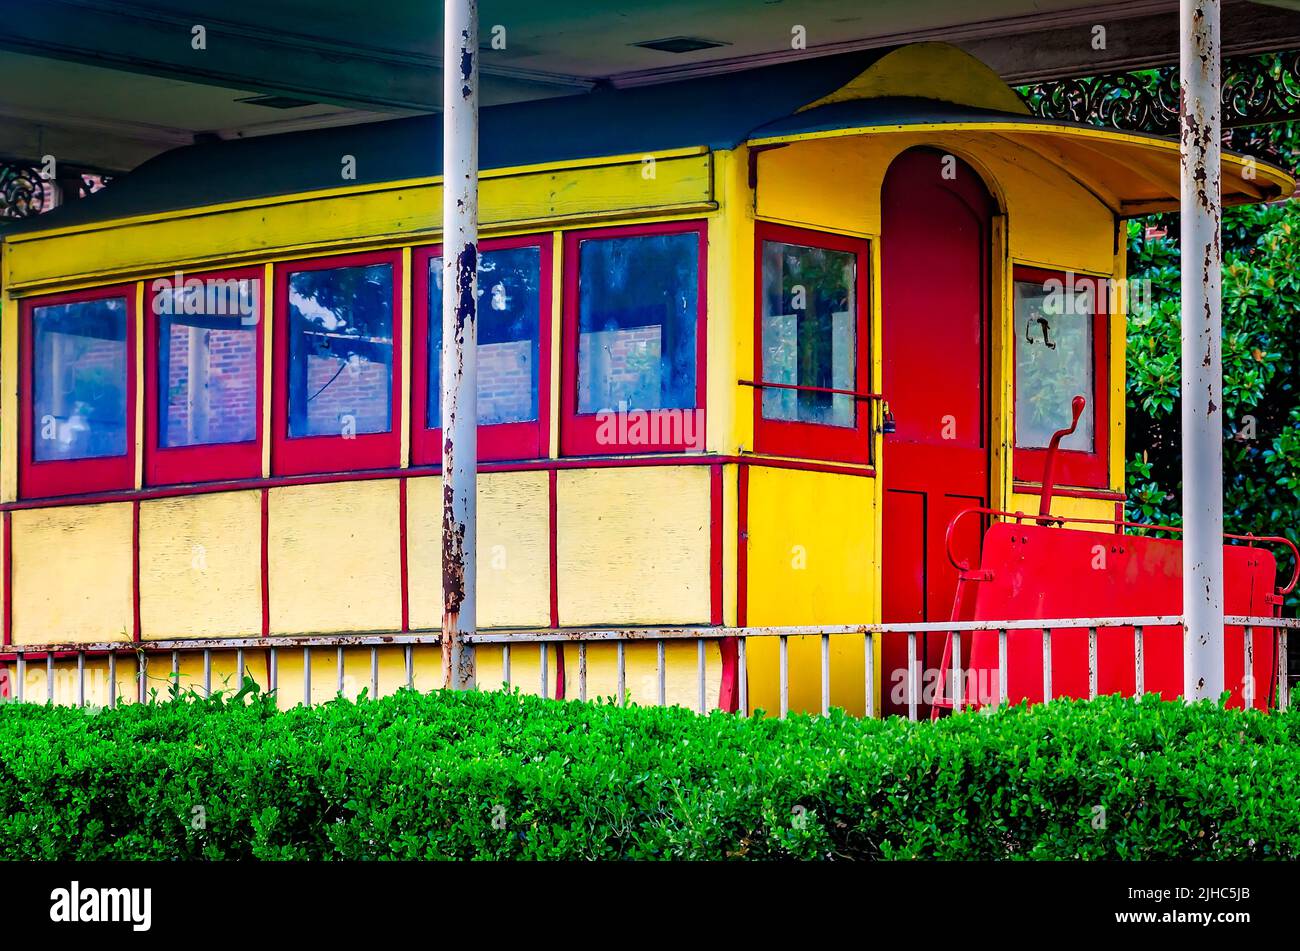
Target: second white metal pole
459,337
1202,329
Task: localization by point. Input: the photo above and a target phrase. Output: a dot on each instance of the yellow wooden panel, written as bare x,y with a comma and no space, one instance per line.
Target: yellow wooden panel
137,447
72,574
9,309
334,558
828,183
514,560
201,566
426,672
633,545
681,671
526,668
1069,508
1118,325
199,236
641,662
812,560
223,676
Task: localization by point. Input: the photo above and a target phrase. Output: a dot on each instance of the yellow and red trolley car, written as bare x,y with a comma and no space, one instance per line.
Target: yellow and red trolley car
748,343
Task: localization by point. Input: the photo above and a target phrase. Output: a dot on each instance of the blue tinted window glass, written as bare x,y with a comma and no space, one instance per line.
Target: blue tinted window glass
509,305
341,351
637,317
79,380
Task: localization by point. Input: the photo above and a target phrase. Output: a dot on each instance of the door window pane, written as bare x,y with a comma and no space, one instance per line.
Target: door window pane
207,366
637,322
809,333
79,380
341,351
509,305
1054,364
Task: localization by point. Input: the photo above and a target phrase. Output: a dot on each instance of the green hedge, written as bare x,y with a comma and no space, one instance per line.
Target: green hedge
504,776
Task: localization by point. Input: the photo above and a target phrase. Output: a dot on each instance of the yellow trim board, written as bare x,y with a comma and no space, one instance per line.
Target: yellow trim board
206,235
345,190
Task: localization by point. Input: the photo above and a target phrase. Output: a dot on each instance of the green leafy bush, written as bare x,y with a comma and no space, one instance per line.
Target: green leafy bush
1261,366
492,775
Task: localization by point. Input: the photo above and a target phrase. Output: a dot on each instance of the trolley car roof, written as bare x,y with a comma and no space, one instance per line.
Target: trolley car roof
849,94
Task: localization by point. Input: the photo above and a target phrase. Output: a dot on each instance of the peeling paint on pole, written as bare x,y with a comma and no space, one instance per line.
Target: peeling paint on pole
460,339
1202,329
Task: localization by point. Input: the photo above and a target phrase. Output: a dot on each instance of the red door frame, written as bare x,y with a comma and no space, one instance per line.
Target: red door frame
216,461
578,430
302,455
504,441
72,476
811,440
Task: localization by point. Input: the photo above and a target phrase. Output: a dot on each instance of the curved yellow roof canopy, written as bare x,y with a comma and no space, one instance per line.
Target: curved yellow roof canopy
939,89
1131,173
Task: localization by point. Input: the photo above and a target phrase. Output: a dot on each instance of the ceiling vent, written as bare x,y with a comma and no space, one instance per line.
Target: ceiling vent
277,102
681,44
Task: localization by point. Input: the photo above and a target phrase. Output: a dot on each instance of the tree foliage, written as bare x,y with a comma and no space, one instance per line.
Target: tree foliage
1261,361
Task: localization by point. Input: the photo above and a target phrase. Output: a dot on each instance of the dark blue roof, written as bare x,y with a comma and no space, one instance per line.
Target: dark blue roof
716,111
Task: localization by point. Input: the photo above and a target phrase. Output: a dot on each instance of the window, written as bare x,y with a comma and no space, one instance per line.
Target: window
203,387
634,339
810,343
78,418
1061,352
514,304
337,381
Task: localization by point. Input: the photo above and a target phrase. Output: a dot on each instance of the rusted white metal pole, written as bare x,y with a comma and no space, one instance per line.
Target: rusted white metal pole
1202,393
459,337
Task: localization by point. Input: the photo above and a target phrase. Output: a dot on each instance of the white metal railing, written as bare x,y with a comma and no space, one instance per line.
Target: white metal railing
508,642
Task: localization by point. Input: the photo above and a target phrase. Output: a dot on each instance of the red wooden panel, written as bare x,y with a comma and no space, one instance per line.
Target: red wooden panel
1044,572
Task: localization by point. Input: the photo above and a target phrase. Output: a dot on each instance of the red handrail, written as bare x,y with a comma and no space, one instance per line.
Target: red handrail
1045,503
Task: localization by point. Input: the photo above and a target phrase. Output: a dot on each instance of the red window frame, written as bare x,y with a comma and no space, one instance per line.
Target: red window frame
816,440
303,455
73,476
168,465
503,441
1073,466
578,430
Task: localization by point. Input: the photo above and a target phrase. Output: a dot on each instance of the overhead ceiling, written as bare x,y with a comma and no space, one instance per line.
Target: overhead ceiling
105,84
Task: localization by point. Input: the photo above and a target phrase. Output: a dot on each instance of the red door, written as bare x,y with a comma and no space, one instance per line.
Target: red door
935,249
